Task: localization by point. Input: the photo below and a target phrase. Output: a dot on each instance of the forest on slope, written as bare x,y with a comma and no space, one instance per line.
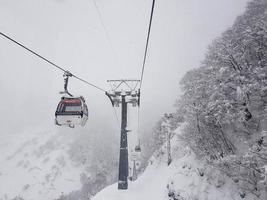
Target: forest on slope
224,103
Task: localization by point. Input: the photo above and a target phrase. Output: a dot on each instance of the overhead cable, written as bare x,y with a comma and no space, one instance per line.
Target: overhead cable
147,42
48,61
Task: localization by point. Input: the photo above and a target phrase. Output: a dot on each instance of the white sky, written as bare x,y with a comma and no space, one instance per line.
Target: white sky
69,33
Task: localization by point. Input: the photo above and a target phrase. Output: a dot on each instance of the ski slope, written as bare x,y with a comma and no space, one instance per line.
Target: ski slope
186,177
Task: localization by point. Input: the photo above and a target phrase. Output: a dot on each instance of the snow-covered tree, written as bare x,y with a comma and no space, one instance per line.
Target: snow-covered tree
224,101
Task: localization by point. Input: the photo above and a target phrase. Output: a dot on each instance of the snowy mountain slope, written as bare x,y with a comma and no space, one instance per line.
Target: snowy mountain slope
186,178
36,166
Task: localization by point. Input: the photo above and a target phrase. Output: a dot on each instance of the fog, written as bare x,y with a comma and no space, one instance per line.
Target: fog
70,34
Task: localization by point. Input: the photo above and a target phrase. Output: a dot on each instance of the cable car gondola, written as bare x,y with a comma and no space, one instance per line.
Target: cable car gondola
138,147
71,111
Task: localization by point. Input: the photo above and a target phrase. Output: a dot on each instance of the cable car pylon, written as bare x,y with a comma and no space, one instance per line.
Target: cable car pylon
124,92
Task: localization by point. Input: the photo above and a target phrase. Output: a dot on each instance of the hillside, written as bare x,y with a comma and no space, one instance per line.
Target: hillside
37,165
185,178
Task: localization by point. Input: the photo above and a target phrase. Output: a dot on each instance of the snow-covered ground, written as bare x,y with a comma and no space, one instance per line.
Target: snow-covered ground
36,165
186,178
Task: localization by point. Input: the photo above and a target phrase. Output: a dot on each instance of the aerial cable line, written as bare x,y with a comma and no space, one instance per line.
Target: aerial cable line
38,55
48,61
106,32
147,42
144,60
112,48
93,85
117,118
102,21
